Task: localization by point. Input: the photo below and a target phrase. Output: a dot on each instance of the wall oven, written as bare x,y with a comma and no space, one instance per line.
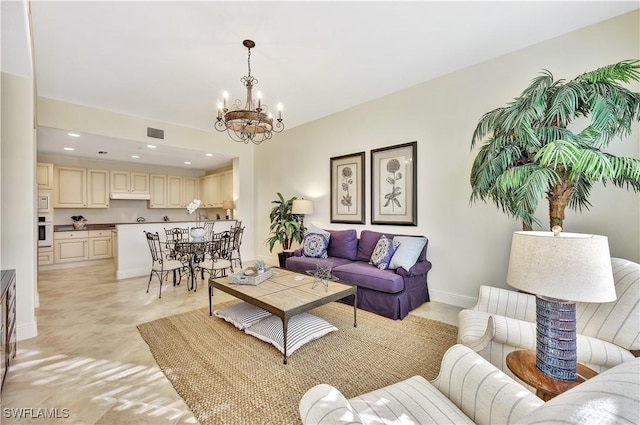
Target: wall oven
45,231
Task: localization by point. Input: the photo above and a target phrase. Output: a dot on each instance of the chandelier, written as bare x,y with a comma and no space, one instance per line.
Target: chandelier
253,122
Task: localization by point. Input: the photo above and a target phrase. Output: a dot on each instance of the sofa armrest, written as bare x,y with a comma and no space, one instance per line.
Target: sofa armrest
419,268
483,392
479,329
324,404
504,302
297,252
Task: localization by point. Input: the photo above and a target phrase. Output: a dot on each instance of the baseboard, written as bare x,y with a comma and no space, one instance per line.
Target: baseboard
452,299
26,331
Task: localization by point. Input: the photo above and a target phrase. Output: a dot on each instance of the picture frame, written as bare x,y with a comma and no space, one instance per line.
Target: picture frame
394,197
347,188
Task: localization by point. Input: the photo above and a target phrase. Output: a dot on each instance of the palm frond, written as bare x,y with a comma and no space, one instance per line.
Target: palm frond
559,153
624,71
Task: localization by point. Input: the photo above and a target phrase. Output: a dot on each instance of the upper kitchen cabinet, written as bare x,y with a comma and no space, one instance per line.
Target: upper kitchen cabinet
80,188
191,189
174,192
129,182
70,187
97,188
216,188
158,184
44,176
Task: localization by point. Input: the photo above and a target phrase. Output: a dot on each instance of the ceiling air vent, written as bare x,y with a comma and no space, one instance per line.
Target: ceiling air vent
156,133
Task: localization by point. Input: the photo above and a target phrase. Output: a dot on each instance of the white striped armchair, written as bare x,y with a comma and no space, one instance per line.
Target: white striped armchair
503,321
468,390
471,390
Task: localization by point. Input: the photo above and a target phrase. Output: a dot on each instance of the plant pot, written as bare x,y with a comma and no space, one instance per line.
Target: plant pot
197,234
282,258
78,225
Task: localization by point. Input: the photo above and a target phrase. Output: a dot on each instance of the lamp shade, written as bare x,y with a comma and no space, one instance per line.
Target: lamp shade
302,206
227,205
567,266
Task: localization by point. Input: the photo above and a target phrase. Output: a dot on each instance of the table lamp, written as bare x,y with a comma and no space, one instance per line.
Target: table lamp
560,269
227,205
302,207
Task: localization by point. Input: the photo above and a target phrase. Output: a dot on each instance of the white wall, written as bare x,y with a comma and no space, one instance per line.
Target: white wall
468,244
18,217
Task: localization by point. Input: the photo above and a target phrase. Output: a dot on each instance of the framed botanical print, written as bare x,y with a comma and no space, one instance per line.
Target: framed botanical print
347,189
394,198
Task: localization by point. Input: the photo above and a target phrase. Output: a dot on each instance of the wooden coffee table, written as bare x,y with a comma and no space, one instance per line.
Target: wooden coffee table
286,294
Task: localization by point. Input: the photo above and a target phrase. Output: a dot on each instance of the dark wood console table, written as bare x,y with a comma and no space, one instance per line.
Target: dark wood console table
7,321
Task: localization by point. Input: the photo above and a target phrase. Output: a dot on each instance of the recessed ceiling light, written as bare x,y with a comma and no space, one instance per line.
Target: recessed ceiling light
209,154
188,162
151,146
135,156
69,149
73,134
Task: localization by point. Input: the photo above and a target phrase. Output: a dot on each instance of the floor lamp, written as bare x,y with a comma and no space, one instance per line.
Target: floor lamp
560,269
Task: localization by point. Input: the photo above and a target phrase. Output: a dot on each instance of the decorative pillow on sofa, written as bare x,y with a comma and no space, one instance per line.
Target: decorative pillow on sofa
407,252
301,329
242,315
315,245
368,241
315,229
343,244
383,252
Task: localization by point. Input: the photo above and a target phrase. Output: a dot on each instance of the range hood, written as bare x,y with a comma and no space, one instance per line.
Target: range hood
133,196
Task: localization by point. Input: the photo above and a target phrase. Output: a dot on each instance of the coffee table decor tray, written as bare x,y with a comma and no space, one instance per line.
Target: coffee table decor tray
249,276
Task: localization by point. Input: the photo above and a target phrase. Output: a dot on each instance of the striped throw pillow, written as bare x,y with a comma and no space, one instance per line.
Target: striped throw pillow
242,314
301,329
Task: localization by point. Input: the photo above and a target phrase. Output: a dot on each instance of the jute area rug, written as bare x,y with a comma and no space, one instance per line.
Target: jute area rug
228,377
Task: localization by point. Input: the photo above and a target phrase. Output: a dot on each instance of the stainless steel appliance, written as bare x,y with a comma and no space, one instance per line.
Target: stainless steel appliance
45,231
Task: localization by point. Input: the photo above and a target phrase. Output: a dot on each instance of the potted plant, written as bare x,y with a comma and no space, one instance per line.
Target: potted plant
78,222
285,227
532,151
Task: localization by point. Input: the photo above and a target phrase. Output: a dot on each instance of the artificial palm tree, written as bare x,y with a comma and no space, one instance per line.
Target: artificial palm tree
548,142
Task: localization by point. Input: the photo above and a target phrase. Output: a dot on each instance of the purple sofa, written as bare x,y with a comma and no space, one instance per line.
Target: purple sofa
389,293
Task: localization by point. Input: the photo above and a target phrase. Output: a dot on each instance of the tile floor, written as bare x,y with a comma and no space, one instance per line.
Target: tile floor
89,365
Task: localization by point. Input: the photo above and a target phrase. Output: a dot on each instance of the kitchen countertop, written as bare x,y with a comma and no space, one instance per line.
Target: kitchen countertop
106,226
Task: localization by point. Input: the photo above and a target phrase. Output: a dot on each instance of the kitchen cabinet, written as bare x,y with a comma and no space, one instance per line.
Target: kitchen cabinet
225,189
80,188
44,176
174,192
100,244
70,187
158,190
97,188
191,190
216,188
70,246
45,255
129,182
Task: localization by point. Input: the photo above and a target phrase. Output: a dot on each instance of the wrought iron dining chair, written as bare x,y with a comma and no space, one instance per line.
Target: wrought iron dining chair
208,230
173,235
162,263
218,257
236,236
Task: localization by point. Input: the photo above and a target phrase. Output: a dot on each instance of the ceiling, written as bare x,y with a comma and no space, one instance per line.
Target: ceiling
170,61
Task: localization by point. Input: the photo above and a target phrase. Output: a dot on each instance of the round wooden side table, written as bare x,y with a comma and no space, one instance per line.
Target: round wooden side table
523,365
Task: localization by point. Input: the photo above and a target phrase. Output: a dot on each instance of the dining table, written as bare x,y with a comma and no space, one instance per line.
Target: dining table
191,252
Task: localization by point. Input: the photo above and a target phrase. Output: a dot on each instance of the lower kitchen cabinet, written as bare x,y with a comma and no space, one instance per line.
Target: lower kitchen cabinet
70,246
45,256
100,244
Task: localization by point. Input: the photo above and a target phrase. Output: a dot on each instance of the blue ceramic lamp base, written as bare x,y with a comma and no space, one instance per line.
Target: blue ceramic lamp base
556,338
